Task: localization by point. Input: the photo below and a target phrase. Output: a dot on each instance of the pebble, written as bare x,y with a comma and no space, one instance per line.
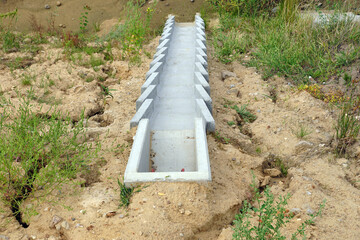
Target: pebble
182,211
234,159
58,3
55,220
302,146
121,216
73,219
266,181
78,225
188,212
308,193
82,211
65,225
110,214
27,40
272,172
47,6
179,204
295,211
181,234
309,211
227,74
232,86
4,237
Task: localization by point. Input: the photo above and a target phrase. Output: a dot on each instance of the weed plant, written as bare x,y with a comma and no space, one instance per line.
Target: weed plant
264,217
126,193
38,154
347,128
245,115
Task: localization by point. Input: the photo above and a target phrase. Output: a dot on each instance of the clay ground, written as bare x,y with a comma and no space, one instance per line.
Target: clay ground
189,210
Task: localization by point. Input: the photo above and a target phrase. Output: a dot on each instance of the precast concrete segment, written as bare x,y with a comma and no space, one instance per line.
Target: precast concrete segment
174,110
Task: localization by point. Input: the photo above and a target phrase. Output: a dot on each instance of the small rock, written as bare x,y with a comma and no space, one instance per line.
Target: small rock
188,212
192,0
55,220
232,86
58,227
181,234
144,200
179,204
73,219
121,216
295,211
227,74
65,225
82,211
182,211
58,3
62,25
308,193
309,211
167,4
272,172
78,225
302,146
237,162
27,40
233,159
266,181
110,214
4,237
47,6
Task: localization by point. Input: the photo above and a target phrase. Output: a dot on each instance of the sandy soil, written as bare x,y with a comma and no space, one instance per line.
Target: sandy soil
69,12
189,210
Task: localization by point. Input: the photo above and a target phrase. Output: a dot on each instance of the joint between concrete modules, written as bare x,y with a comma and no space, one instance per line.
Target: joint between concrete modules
152,80
203,111
201,52
149,93
201,45
159,58
163,50
144,111
201,60
200,93
201,37
156,68
199,67
200,31
163,44
199,79
200,25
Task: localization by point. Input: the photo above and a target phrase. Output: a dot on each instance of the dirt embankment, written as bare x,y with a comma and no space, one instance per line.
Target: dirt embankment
66,17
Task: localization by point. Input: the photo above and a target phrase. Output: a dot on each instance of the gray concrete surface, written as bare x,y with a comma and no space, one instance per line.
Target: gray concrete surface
174,110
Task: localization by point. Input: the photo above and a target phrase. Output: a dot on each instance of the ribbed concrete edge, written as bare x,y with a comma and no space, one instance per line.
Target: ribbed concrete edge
200,93
153,79
149,93
200,68
199,79
139,158
203,111
144,111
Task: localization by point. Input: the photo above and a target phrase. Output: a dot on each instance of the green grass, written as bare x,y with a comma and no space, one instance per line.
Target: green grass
126,193
302,132
347,128
39,152
292,48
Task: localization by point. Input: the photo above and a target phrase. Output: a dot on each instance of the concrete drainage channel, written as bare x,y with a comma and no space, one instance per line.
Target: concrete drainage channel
174,110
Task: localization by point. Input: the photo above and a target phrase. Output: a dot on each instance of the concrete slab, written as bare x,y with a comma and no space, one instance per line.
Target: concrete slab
176,105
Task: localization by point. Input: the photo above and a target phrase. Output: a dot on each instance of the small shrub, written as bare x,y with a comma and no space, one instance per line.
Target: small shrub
39,152
245,115
265,217
347,128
